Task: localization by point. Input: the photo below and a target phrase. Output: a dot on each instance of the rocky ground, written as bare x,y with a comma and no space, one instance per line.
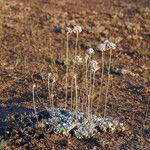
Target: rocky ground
32,35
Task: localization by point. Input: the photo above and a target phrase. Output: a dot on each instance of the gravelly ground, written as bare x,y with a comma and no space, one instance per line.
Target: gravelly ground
32,32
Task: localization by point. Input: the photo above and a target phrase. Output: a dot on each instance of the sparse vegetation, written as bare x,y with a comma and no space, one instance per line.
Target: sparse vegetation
57,84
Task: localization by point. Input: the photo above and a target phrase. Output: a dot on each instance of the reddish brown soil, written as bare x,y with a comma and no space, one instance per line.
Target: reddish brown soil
32,32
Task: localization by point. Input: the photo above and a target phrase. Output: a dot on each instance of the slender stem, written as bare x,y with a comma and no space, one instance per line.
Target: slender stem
82,106
76,48
86,72
66,70
90,77
72,86
108,82
52,95
71,94
33,91
49,93
102,77
77,38
93,83
76,94
79,103
89,94
88,113
86,80
93,89
90,86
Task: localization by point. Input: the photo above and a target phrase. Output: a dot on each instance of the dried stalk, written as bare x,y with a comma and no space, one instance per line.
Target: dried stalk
34,106
67,55
76,94
108,82
102,78
49,93
93,86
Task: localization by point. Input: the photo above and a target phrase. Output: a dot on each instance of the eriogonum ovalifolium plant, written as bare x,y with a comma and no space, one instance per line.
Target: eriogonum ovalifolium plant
85,123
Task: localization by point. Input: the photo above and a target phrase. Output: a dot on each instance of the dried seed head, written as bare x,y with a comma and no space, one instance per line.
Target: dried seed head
90,51
102,47
34,85
77,29
77,59
94,65
110,45
95,68
69,30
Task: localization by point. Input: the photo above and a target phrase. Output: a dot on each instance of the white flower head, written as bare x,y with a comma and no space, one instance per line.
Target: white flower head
102,47
93,62
77,59
110,45
69,30
90,51
93,65
95,68
77,29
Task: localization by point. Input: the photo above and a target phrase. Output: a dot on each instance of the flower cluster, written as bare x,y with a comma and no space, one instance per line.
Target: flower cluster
90,51
75,29
77,59
69,30
107,45
102,47
110,45
93,65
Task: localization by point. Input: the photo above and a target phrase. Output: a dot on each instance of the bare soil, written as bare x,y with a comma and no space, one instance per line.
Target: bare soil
32,35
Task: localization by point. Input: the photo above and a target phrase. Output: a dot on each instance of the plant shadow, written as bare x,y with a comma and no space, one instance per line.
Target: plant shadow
14,106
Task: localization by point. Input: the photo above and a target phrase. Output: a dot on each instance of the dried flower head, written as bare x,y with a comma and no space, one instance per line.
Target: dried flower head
93,62
77,59
102,47
77,29
110,45
94,68
69,30
94,65
90,51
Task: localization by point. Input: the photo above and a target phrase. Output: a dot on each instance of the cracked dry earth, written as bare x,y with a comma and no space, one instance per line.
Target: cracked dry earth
32,35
